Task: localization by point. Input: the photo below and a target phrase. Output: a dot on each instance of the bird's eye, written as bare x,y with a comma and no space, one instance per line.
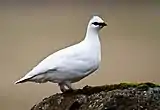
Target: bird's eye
95,23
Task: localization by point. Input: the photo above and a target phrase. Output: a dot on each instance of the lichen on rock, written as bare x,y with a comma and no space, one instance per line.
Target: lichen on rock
123,96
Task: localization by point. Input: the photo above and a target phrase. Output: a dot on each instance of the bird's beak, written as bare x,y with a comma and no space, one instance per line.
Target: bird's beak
104,24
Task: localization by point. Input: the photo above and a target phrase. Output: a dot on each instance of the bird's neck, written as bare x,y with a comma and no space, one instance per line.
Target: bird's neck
92,35
92,40
92,43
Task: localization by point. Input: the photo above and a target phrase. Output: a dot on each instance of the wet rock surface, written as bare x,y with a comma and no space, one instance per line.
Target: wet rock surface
124,96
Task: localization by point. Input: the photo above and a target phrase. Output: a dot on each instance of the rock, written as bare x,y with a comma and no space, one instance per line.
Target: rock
123,96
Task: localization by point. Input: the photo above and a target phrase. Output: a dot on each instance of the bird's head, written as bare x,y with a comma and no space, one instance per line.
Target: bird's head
96,23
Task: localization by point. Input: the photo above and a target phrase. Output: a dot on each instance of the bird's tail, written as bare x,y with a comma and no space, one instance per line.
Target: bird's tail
22,80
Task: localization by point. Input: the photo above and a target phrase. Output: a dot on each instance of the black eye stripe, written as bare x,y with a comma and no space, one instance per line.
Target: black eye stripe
99,24
96,23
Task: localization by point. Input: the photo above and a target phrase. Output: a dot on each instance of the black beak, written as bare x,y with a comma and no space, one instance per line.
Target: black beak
103,24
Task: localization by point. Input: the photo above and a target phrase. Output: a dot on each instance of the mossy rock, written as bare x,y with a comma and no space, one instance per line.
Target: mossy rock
123,96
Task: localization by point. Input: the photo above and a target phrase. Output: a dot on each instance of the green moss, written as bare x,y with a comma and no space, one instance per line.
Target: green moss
87,90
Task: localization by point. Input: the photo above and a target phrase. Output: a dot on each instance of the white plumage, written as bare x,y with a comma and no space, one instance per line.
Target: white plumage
71,64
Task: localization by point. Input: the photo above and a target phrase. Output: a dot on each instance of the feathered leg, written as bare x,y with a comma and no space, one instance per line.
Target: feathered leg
70,87
64,85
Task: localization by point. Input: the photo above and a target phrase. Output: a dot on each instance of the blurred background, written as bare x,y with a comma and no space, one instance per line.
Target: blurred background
32,29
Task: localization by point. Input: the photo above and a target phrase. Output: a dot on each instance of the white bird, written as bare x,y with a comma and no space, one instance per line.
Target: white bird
71,64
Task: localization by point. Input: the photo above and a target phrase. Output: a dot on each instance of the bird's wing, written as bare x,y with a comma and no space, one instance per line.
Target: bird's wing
72,59
52,61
